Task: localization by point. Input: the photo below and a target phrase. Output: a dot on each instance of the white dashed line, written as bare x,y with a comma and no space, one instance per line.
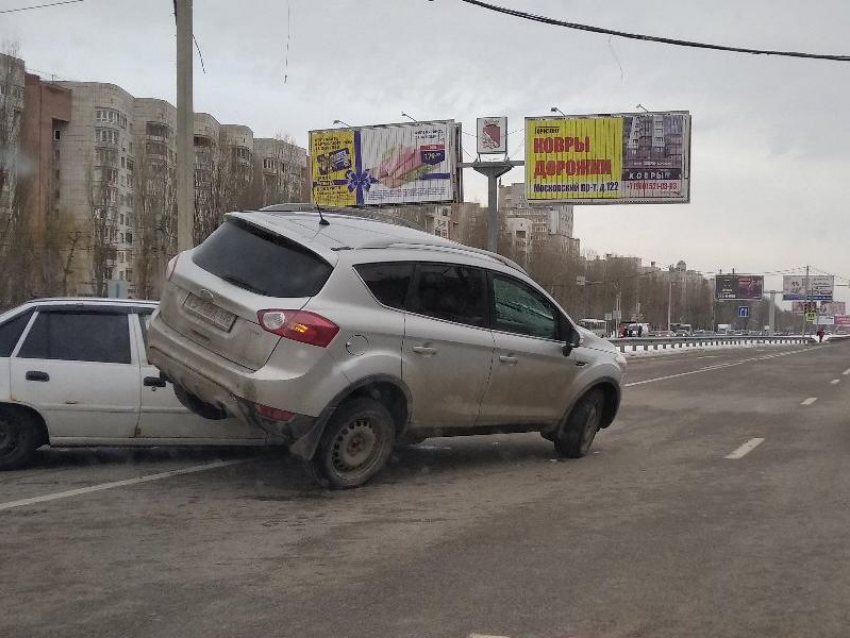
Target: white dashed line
484,636
125,483
745,449
846,372
835,381
809,401
716,367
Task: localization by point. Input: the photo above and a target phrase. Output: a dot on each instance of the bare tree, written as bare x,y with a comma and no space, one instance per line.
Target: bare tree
154,221
103,228
223,183
16,234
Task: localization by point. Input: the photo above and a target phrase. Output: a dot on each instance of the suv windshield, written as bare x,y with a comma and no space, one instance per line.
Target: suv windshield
262,262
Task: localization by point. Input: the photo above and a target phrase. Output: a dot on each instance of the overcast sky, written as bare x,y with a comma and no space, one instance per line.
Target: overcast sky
770,160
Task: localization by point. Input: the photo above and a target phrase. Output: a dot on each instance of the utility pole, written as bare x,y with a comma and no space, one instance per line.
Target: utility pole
771,314
669,298
185,128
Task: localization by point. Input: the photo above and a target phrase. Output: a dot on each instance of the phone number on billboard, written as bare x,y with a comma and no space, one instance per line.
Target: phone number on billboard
654,186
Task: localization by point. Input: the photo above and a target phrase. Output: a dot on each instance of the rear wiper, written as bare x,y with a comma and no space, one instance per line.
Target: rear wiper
242,284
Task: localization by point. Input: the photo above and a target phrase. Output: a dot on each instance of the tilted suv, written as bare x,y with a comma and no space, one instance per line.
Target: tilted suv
344,335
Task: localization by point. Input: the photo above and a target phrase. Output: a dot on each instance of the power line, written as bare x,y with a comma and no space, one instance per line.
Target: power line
40,6
651,38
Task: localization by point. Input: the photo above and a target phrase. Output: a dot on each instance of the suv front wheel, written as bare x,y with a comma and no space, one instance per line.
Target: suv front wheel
577,434
355,445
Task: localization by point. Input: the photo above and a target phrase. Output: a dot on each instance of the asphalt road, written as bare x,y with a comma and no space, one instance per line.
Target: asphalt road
656,533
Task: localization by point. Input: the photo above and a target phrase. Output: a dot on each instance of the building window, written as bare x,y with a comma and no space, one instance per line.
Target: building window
157,148
123,162
57,134
129,164
106,136
157,129
129,274
269,164
128,237
122,219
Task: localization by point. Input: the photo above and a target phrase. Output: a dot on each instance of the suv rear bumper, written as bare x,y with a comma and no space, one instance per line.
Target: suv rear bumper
219,382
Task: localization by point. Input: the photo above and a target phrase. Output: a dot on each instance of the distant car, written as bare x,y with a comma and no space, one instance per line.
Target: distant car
664,334
74,372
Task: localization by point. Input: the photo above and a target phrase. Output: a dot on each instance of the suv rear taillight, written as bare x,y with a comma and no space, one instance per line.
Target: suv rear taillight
299,325
172,264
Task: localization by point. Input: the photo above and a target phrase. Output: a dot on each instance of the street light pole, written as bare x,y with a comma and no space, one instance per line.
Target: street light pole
185,128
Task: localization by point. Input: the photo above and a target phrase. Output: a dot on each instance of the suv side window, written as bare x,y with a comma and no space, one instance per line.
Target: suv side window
521,310
11,331
78,336
389,282
453,293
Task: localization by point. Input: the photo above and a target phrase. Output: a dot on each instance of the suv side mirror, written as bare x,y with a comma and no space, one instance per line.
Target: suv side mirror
573,341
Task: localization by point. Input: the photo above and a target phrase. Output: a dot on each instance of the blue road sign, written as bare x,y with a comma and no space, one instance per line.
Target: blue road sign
743,312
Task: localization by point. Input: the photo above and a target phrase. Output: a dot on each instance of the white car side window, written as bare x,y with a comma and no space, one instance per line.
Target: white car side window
79,336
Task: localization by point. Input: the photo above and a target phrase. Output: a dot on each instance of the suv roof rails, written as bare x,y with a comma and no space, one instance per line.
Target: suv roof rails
444,246
361,213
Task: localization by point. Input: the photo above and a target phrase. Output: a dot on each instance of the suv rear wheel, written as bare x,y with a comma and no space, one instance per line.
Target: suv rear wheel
19,438
577,434
356,444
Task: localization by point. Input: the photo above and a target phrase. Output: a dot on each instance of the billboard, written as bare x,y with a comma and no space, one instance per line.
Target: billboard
804,307
738,287
820,288
842,320
833,308
492,135
407,163
628,158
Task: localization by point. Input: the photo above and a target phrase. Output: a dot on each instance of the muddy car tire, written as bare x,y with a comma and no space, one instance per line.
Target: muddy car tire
19,438
356,444
578,432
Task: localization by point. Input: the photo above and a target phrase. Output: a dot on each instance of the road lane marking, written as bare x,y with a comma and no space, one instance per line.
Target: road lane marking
746,448
809,401
846,372
125,483
715,367
835,381
484,636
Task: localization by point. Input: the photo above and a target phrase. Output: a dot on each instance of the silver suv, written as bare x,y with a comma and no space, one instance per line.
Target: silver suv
343,335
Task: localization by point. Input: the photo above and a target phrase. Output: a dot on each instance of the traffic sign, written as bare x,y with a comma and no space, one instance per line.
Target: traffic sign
743,312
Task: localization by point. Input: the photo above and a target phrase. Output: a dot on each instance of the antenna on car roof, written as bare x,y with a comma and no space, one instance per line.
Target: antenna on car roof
322,220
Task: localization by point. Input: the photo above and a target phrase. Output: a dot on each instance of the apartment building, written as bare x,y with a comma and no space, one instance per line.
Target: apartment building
550,225
83,145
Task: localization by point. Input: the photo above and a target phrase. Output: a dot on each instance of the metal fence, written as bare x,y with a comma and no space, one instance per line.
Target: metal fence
647,344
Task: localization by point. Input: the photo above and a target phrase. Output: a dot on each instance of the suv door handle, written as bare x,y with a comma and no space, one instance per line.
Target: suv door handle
506,358
37,375
154,382
424,350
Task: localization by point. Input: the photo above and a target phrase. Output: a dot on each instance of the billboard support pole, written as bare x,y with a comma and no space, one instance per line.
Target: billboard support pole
805,322
771,314
492,171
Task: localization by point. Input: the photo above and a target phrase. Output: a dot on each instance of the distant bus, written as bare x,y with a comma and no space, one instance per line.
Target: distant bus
681,327
596,326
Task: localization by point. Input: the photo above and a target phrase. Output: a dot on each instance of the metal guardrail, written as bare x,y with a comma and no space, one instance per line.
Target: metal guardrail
646,344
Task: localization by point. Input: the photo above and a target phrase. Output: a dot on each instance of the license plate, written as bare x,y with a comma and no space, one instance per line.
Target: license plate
209,312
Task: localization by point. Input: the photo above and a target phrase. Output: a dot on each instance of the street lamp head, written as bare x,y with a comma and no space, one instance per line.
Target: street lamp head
343,123
409,117
555,109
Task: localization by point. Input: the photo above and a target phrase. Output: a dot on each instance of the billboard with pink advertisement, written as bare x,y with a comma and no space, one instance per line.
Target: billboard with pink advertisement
406,163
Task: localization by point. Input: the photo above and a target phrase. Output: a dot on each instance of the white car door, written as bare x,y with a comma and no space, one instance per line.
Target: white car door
76,366
162,416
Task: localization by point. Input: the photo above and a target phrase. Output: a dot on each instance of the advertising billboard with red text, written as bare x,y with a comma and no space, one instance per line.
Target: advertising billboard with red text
628,158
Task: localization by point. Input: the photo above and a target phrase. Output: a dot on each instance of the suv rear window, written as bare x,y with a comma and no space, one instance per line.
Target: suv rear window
262,262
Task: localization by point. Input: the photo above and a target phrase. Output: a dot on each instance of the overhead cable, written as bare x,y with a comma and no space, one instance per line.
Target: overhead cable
651,38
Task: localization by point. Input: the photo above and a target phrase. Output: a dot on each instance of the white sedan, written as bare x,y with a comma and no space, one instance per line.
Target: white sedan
74,372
